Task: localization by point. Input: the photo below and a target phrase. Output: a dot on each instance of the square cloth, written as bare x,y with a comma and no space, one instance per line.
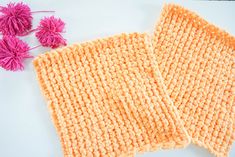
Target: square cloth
107,98
197,62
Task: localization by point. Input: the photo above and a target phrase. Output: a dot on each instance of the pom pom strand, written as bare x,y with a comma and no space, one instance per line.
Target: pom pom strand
49,32
13,52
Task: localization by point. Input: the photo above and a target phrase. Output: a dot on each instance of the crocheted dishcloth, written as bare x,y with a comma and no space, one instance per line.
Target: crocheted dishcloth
107,98
197,62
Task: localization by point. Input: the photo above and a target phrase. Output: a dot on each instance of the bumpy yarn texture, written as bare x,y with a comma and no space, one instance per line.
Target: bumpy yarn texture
107,98
197,63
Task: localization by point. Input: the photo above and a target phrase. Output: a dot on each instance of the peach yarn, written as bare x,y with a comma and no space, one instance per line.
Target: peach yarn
197,62
107,98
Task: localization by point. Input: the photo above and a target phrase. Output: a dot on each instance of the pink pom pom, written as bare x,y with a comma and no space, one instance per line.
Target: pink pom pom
15,19
13,51
49,32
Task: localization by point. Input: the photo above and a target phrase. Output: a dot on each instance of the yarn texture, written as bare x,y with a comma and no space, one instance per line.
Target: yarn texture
197,62
133,93
107,98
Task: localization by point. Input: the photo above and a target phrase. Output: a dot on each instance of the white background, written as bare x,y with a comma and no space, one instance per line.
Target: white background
26,129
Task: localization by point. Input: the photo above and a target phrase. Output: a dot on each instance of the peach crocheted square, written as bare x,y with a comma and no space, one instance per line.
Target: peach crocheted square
197,62
107,98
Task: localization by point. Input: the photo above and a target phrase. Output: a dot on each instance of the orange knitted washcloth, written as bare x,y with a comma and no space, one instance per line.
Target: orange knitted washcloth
107,98
197,63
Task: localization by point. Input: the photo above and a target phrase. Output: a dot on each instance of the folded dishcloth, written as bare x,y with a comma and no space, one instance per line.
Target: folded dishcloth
197,62
107,98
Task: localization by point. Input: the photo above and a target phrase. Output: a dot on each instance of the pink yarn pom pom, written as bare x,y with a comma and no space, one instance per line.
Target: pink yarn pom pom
49,32
13,51
15,19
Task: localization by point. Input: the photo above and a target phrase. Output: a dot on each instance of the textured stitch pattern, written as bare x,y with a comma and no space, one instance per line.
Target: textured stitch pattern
107,98
197,62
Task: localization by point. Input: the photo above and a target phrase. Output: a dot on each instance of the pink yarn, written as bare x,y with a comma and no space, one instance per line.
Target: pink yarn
15,19
13,52
49,32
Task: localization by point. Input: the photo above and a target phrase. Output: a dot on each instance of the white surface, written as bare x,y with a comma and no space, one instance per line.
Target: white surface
26,129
